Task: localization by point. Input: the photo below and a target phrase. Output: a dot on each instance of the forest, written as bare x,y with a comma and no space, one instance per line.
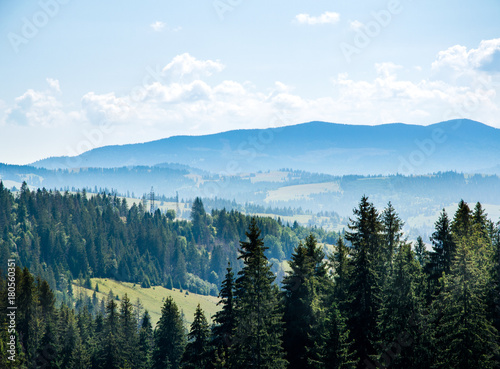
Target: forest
376,301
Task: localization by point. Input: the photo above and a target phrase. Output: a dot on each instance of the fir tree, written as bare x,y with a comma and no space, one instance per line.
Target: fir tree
364,288
402,305
465,338
391,235
304,293
196,355
258,331
169,337
224,319
146,342
443,248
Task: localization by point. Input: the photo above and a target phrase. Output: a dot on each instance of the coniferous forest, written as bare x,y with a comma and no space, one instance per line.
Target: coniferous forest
376,301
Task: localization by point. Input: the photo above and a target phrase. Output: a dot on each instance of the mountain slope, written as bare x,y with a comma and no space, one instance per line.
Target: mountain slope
461,145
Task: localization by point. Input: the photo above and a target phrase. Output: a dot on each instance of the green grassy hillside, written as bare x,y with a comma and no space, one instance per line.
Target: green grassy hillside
152,298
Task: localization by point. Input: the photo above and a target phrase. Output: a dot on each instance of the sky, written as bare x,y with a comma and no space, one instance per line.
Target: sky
75,75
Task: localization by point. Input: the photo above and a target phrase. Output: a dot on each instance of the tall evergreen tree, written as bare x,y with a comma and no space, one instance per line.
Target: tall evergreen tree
196,354
403,301
305,314
146,342
465,338
128,333
338,348
169,337
421,253
461,226
364,290
224,319
258,332
443,249
391,235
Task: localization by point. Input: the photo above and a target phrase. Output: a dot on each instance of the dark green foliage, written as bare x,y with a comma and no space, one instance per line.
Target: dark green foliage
392,235
443,248
364,288
169,337
196,354
304,293
224,320
258,332
465,338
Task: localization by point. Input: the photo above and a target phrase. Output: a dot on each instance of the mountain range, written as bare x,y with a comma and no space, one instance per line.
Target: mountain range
458,145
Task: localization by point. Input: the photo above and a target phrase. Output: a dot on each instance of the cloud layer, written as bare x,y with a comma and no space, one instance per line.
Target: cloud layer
181,98
325,18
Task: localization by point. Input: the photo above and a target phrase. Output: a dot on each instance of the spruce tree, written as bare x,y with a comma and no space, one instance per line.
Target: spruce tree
258,332
128,333
443,249
338,348
461,226
169,337
364,289
391,235
421,253
465,337
224,319
146,342
196,354
403,301
109,356
342,271
304,299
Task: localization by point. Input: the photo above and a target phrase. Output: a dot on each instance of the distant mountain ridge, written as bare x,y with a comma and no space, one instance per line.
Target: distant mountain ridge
461,145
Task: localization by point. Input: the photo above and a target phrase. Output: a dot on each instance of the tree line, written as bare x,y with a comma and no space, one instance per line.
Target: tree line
377,301
62,236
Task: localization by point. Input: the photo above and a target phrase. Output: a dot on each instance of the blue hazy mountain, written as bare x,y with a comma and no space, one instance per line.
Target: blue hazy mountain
339,149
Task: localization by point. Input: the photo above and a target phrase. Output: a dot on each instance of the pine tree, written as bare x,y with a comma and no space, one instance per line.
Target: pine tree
128,339
258,331
480,222
224,319
443,248
146,342
461,226
342,269
196,355
304,316
169,337
339,353
364,289
391,235
465,338
421,253
403,301
109,344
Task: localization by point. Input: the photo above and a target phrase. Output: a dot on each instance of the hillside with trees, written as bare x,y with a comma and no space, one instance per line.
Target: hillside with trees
376,301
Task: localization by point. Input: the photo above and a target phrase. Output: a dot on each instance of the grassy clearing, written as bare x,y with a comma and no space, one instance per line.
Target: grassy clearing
152,298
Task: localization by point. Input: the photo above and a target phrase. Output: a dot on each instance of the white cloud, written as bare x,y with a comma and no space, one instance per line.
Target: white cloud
36,108
54,84
325,18
157,26
182,100
185,66
356,25
459,59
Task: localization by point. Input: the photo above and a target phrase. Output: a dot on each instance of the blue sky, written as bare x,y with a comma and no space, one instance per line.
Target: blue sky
75,75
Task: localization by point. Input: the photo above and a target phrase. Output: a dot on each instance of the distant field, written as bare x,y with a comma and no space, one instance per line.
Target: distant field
269,177
301,191
421,220
152,298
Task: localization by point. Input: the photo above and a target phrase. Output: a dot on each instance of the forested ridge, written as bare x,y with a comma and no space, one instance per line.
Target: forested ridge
377,301
61,236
